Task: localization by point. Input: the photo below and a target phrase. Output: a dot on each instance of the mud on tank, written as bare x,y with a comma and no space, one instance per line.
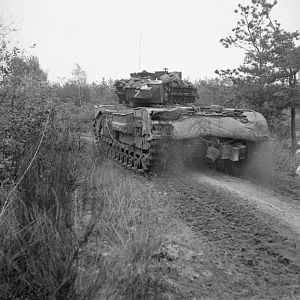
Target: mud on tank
156,112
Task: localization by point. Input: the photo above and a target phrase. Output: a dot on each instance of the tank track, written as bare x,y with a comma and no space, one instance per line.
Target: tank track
131,157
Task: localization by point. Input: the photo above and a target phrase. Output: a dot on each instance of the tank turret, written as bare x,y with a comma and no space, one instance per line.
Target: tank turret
151,89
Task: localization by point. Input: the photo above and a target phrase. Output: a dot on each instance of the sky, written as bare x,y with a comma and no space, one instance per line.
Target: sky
112,38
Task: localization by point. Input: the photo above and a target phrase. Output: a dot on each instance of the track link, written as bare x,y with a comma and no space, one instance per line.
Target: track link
130,156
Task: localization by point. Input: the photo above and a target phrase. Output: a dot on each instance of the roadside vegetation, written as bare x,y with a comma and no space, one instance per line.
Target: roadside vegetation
77,228
71,225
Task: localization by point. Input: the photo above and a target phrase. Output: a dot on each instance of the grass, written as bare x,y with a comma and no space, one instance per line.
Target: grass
78,228
39,247
126,235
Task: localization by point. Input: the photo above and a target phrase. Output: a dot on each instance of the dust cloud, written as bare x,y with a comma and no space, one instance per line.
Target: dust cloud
258,166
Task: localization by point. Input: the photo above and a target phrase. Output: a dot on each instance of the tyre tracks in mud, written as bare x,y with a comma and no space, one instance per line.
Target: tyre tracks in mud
250,236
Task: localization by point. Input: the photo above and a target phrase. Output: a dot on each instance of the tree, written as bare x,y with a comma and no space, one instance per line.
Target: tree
25,99
80,78
215,91
272,61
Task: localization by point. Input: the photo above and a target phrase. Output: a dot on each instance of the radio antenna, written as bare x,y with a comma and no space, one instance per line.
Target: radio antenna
140,51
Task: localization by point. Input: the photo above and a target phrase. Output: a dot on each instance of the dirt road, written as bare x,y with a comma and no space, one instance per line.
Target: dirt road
286,214
227,238
248,238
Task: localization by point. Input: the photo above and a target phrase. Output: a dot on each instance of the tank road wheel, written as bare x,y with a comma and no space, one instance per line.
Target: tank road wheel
125,160
115,152
121,156
130,160
117,156
136,162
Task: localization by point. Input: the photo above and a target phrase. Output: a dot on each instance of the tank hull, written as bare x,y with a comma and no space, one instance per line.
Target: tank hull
140,137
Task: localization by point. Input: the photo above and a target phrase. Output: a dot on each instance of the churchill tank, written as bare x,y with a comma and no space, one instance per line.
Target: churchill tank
157,113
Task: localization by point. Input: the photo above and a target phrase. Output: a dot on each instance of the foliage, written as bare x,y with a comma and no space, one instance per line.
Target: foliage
39,248
267,77
77,227
94,93
79,75
285,160
268,99
45,248
25,98
216,91
270,52
79,78
6,53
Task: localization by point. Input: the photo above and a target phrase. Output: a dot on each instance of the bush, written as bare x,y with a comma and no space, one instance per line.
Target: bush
285,160
77,227
39,246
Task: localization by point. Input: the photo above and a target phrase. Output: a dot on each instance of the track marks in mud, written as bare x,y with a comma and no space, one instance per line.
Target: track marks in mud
263,261
287,214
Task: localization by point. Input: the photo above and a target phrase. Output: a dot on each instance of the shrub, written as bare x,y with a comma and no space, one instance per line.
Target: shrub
284,157
39,247
77,227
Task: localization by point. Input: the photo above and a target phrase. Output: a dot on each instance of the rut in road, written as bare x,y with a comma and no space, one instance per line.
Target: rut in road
263,260
286,214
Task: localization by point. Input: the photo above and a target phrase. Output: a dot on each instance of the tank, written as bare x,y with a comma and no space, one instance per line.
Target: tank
157,114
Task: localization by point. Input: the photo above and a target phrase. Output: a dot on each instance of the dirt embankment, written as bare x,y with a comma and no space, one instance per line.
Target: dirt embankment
233,239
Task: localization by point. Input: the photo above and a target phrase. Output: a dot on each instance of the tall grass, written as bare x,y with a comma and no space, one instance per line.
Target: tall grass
77,228
127,234
39,248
